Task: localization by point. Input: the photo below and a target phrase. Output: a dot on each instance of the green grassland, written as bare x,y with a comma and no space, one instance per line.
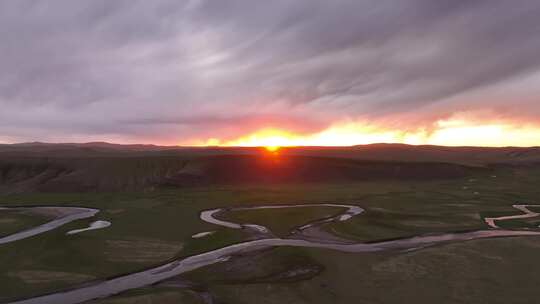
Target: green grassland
153,227
281,221
13,221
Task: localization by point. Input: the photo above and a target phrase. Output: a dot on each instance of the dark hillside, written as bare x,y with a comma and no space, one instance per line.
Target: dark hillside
143,173
108,167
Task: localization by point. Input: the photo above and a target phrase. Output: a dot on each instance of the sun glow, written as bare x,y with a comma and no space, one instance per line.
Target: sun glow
269,138
444,132
272,148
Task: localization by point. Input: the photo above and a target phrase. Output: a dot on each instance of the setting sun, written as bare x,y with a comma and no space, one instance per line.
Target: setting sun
268,137
272,148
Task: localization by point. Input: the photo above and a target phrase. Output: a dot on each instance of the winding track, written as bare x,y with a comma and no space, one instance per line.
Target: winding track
209,216
65,215
526,214
175,268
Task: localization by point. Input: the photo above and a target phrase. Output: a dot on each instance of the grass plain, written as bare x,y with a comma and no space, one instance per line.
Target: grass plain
150,228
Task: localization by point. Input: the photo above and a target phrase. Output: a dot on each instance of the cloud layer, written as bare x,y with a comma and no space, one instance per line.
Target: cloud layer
180,71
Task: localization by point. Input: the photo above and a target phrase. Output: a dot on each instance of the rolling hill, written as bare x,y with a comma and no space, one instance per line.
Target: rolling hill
39,167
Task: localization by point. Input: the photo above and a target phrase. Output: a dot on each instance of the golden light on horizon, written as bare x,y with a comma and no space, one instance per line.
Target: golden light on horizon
267,137
444,133
272,148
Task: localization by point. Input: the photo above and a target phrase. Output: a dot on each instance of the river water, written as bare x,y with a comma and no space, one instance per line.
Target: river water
169,270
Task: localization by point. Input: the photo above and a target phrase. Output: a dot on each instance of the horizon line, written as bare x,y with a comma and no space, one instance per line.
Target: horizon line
255,146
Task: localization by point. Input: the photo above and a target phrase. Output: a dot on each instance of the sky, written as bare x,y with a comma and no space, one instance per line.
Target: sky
302,72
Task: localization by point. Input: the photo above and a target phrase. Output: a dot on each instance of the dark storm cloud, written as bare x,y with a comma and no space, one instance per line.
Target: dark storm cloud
169,70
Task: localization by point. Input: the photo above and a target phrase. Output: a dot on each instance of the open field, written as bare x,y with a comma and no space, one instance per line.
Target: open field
11,221
151,228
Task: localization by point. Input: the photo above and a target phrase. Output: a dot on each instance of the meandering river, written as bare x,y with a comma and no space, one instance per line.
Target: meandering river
64,215
166,271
